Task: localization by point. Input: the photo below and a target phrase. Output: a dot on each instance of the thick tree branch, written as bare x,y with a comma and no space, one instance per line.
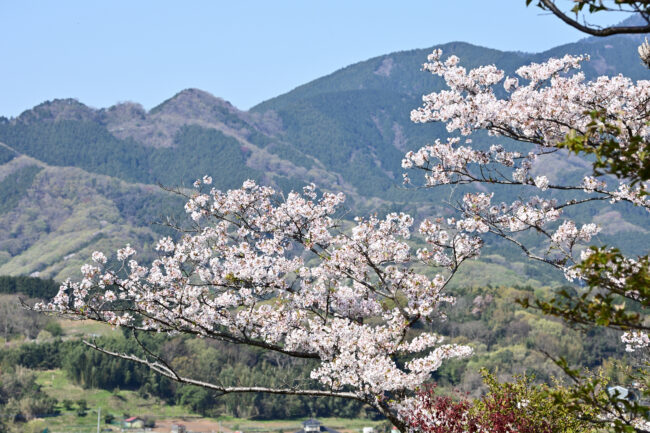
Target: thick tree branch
606,31
163,368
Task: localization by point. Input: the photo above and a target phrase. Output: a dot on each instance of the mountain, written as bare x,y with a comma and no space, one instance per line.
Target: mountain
52,218
75,178
356,120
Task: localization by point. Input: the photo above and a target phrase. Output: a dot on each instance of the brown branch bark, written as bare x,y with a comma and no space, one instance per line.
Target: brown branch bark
606,31
164,369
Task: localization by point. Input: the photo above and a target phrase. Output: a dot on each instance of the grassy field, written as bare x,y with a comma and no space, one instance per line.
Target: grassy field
121,403
56,384
86,328
118,403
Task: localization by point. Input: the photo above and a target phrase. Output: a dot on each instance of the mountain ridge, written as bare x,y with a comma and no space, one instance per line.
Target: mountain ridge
346,131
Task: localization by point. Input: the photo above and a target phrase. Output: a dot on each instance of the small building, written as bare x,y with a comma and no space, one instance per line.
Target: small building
622,393
133,422
368,430
315,426
623,396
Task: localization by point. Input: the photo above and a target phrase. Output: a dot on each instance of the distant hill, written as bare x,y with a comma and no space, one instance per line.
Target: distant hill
74,179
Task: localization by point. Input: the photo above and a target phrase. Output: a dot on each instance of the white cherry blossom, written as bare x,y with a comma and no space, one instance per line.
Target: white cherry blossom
281,275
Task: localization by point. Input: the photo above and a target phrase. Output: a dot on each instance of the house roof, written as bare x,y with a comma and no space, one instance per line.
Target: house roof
622,393
315,423
133,418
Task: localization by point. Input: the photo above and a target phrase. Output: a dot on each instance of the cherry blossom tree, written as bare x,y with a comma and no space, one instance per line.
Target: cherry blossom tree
538,114
549,108
284,276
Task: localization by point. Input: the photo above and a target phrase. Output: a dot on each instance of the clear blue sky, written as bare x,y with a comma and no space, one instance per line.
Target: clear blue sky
103,52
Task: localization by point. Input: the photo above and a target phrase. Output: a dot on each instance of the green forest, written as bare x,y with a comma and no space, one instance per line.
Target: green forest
507,341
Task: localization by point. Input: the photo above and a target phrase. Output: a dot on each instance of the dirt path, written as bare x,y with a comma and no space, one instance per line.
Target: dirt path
192,425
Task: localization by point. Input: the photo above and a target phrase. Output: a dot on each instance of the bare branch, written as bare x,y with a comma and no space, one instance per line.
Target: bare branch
163,368
586,28
167,371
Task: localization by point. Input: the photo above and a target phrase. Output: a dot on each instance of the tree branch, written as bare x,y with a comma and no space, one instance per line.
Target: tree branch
607,31
167,371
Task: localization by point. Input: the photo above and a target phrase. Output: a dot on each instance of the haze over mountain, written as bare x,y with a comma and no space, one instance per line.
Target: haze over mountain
74,179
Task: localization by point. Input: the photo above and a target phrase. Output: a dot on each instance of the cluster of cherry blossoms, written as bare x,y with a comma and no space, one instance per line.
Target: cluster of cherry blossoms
543,110
635,340
283,275
543,104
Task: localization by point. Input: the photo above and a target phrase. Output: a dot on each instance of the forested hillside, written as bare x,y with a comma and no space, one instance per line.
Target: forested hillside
85,179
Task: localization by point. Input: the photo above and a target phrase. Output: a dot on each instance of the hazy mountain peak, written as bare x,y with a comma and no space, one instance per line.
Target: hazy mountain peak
123,111
57,110
633,20
195,103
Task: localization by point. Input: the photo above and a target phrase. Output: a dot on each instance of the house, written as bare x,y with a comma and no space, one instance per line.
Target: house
133,422
314,426
622,393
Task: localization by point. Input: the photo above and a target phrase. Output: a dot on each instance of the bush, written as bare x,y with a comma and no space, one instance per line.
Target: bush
37,406
82,404
519,406
54,328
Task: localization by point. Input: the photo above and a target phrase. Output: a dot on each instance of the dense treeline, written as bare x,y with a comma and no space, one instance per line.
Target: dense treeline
14,186
230,364
21,398
91,146
509,340
506,340
6,155
29,286
15,321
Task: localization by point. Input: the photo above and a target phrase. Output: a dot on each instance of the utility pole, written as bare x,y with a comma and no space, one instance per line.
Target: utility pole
99,414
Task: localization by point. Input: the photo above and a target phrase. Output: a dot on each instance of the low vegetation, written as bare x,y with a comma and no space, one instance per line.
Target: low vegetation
60,370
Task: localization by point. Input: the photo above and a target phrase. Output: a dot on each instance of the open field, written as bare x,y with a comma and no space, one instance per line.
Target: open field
85,328
120,403
70,423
